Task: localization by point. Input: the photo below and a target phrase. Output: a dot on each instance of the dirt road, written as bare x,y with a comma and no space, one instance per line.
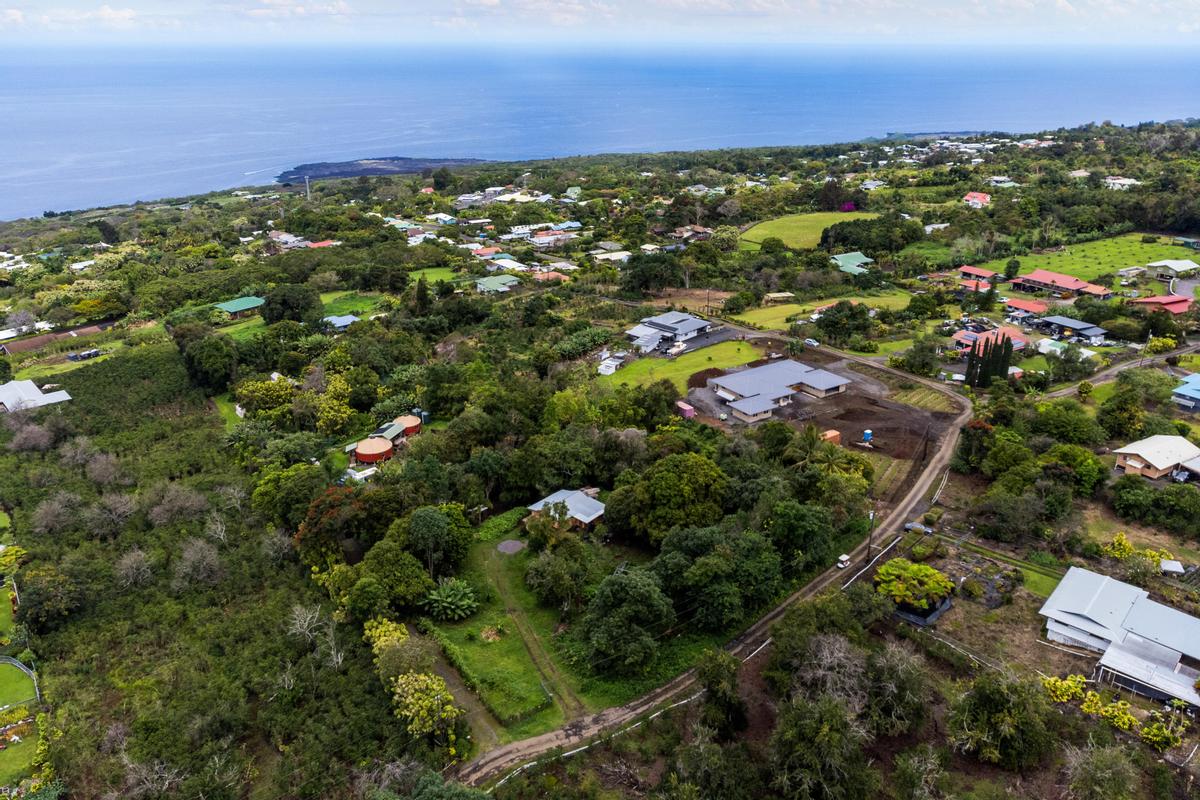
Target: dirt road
494,764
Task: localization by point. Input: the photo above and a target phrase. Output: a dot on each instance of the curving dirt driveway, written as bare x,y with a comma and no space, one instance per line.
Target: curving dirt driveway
495,763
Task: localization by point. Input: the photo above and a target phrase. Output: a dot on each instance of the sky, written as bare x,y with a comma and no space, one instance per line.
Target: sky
866,23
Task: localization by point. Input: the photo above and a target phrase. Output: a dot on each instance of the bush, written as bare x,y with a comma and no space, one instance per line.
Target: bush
1064,690
972,588
452,600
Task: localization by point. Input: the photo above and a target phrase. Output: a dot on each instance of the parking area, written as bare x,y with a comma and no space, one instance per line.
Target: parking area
722,333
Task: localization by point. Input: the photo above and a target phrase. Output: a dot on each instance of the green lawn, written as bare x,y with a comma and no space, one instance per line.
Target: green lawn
1104,256
15,686
491,645
16,760
6,613
433,274
59,364
243,329
775,316
227,409
677,370
340,303
4,520
799,230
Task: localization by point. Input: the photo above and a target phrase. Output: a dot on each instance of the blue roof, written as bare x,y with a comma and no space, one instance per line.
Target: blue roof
343,321
1189,390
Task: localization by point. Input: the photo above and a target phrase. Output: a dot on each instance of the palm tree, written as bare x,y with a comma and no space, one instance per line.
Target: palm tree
803,445
832,460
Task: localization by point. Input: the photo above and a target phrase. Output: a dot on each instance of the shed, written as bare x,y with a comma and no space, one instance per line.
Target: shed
832,435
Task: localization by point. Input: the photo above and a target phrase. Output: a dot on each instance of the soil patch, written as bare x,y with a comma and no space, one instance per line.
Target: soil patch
510,547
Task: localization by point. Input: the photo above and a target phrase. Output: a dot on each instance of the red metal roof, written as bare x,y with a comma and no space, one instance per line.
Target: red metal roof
1172,303
978,272
1032,306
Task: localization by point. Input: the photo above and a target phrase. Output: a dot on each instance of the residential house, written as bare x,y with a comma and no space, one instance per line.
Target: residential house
494,284
977,199
340,322
872,185
1156,456
778,297
1187,394
969,273
323,244
240,307
618,256
669,327
1120,184
974,287
1048,346
1021,310
23,395
581,507
852,263
754,394
550,276
1002,182
1067,327
967,340
442,218
1079,173
512,265
1059,285
1186,241
1171,268
1175,304
936,226
1146,647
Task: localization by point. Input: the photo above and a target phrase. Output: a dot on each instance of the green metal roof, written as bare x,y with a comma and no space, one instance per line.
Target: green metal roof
850,269
495,283
240,304
855,259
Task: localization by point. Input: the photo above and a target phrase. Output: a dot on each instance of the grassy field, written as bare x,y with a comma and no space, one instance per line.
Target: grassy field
59,364
1092,259
15,686
433,275
4,521
15,761
799,230
924,397
677,370
339,303
772,317
888,472
227,409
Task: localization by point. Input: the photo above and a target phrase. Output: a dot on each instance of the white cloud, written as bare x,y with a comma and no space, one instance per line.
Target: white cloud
104,16
294,9
11,17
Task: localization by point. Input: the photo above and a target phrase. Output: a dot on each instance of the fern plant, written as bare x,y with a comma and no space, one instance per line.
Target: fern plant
452,600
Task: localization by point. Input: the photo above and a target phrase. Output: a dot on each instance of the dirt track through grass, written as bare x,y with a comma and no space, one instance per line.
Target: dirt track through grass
572,707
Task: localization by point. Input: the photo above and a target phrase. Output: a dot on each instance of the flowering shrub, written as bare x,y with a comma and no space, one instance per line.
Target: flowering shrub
382,633
1119,548
1117,714
1092,704
1064,690
424,702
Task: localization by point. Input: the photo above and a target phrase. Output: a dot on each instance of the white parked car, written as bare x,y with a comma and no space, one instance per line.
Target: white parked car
843,561
811,343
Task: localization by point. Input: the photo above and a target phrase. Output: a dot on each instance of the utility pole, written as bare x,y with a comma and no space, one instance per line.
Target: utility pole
307,189
871,535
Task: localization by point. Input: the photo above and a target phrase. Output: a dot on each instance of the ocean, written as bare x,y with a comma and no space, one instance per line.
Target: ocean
83,128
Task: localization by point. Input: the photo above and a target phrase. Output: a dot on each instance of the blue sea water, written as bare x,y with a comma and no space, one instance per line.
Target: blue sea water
83,128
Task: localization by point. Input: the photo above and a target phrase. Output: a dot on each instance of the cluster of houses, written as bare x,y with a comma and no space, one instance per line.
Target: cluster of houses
290,241
752,395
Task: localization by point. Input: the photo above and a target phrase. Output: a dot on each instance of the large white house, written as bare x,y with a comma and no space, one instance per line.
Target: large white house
672,326
1146,647
754,394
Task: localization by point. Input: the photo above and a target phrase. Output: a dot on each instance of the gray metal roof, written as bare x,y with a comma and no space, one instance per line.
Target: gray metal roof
17,395
765,379
1075,325
677,322
579,505
776,379
754,405
1145,638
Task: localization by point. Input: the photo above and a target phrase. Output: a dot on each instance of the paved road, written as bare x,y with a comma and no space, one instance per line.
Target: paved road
496,763
1110,373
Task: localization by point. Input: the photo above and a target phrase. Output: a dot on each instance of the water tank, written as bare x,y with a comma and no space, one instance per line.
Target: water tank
867,435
